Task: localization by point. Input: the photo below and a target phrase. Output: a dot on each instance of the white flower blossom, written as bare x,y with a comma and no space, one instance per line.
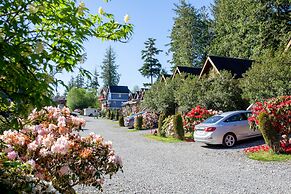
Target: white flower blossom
100,11
126,18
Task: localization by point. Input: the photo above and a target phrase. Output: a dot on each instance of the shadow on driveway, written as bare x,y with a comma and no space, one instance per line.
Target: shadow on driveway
240,144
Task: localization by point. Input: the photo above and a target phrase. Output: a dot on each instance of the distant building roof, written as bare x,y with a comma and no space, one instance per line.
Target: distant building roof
189,70
236,66
186,70
119,89
167,75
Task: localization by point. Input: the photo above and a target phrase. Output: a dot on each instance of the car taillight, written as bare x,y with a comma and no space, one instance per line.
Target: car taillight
209,129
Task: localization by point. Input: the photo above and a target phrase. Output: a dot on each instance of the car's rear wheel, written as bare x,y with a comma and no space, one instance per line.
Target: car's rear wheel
229,140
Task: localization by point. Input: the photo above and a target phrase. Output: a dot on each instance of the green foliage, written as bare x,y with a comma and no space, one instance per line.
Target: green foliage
151,67
245,28
14,176
220,93
190,35
271,136
187,97
41,38
109,72
112,115
103,113
178,126
116,115
108,114
269,77
161,132
79,81
160,98
94,83
121,121
79,98
138,123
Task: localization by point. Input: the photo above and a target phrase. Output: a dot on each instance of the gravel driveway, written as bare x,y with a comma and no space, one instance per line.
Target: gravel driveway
155,167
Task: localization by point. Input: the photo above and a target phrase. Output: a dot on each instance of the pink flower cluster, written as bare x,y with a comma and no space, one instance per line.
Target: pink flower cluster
51,145
150,120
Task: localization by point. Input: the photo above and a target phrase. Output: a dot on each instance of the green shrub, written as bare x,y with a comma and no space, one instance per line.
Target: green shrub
161,132
138,123
117,115
112,115
103,113
108,114
121,121
178,126
271,136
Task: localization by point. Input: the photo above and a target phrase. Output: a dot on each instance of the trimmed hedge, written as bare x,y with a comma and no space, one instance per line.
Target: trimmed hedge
121,121
138,123
271,136
161,132
178,127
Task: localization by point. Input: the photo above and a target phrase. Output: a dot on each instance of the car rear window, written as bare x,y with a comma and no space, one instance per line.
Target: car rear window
213,119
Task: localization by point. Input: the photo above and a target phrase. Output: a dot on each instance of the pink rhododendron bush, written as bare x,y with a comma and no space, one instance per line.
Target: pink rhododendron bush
150,120
50,150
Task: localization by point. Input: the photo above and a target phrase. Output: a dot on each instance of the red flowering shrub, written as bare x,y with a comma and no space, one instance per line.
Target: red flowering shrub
259,148
196,116
278,111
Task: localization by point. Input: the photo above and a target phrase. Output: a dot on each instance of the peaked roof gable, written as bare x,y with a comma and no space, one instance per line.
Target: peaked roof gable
235,65
118,89
189,70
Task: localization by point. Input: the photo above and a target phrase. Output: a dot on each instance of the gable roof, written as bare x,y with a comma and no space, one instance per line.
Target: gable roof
235,65
166,75
189,70
186,70
118,89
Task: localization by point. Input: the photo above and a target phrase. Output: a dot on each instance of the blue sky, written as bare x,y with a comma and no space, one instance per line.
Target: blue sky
151,19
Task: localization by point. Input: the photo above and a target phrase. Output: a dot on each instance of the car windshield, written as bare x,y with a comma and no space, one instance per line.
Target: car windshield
213,119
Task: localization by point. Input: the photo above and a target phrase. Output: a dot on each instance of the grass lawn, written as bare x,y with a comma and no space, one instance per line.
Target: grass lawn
163,139
132,130
268,156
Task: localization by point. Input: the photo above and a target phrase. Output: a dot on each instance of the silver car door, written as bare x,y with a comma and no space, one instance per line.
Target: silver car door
237,125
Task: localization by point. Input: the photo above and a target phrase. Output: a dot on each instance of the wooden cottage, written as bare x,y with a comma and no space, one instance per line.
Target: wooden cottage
215,64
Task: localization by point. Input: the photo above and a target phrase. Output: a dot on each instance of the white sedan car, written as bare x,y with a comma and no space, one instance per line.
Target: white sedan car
226,128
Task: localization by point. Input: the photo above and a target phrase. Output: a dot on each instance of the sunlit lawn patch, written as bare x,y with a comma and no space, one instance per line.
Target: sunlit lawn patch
132,130
163,139
268,156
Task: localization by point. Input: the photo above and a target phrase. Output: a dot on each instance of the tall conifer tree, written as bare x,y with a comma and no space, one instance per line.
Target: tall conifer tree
190,35
151,67
109,68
